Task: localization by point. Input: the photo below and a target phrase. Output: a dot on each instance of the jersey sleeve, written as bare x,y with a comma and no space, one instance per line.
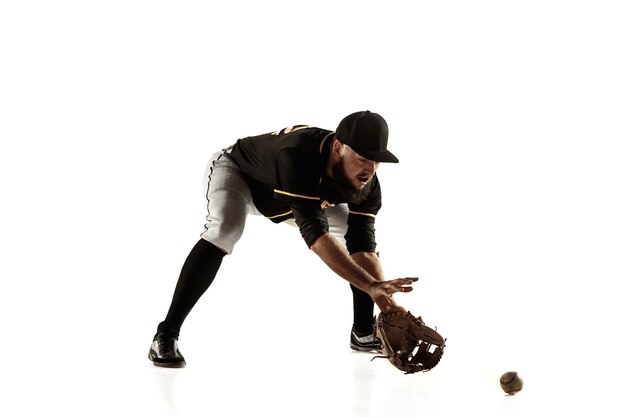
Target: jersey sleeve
297,183
311,221
361,234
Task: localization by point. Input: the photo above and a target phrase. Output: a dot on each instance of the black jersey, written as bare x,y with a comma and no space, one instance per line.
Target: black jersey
286,173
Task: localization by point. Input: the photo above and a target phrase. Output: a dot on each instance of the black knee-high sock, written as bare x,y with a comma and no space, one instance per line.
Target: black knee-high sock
363,307
196,276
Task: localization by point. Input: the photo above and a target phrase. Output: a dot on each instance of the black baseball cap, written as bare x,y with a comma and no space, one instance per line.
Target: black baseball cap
367,134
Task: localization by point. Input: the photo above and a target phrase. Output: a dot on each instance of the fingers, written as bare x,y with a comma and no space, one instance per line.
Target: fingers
403,284
382,292
404,281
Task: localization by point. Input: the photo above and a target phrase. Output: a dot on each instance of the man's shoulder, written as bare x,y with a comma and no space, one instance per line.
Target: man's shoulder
298,131
303,138
301,146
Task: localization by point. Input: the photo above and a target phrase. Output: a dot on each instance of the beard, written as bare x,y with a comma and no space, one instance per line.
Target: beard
345,188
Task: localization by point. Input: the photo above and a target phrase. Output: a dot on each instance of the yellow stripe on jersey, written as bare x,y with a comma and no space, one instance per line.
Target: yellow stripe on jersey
295,195
289,129
280,215
362,214
324,140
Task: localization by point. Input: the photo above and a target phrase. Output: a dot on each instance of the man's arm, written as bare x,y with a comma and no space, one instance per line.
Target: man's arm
371,263
364,272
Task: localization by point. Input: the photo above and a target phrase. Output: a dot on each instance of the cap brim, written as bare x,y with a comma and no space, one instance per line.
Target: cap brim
384,156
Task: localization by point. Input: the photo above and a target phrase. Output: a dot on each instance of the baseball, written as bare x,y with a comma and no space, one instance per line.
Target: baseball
511,382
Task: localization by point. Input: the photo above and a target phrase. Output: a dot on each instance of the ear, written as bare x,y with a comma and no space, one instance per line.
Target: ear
336,149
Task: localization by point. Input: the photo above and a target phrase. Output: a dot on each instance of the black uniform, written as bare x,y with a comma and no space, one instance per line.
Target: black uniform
286,173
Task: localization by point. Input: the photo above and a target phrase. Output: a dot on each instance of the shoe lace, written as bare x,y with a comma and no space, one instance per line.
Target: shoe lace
167,347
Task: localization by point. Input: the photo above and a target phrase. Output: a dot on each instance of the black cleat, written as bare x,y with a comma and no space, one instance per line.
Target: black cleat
164,352
364,343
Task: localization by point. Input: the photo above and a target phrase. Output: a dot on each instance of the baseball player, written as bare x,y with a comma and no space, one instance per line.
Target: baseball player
321,181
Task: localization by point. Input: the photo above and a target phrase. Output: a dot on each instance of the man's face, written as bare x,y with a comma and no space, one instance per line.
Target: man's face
353,175
357,169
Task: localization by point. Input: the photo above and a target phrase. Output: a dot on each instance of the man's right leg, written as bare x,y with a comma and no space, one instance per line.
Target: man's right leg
228,203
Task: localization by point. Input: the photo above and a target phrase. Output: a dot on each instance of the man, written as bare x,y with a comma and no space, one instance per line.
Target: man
322,181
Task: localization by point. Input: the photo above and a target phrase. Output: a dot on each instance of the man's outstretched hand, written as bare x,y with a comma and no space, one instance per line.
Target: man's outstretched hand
382,293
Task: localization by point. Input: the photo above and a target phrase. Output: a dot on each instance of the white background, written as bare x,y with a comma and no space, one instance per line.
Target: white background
508,203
